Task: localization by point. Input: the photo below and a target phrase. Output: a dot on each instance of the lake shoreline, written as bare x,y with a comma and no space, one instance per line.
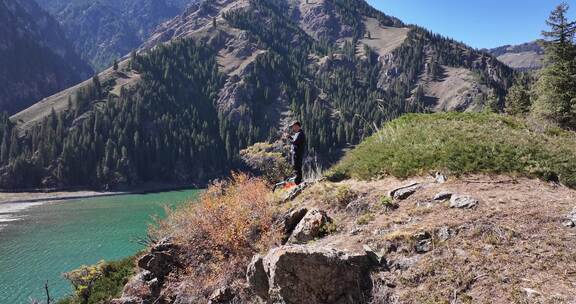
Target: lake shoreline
58,195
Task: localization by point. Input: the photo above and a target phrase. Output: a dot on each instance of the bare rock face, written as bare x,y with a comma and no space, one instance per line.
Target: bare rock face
310,227
307,275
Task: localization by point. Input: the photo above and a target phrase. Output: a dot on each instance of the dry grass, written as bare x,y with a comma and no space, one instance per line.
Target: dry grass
219,234
513,242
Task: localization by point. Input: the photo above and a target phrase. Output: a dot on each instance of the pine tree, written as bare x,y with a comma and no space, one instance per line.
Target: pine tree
115,66
556,87
519,99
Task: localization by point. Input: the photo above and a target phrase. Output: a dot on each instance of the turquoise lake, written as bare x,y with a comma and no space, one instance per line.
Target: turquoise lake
57,237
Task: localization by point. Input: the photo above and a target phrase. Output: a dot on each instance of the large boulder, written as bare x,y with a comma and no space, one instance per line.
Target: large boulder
300,274
310,227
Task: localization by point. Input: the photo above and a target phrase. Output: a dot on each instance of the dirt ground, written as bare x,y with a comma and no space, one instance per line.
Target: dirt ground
512,248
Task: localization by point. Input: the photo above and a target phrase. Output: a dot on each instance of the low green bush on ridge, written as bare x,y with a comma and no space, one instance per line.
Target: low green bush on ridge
461,143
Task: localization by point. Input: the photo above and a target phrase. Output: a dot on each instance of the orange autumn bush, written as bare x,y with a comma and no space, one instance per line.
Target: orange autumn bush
220,232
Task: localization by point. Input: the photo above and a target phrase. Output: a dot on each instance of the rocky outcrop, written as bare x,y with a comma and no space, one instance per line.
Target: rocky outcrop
310,227
309,275
147,284
160,261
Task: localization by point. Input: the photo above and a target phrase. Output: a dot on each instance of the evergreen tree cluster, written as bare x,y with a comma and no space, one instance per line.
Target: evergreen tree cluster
166,129
551,93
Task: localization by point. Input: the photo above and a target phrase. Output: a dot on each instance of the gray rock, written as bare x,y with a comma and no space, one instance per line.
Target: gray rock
423,242
443,195
356,231
463,202
445,233
307,275
358,207
310,227
571,222
221,295
164,244
290,222
257,278
160,261
404,192
127,300
403,263
440,178
377,259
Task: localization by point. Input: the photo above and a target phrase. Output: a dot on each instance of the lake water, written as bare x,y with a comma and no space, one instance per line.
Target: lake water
50,239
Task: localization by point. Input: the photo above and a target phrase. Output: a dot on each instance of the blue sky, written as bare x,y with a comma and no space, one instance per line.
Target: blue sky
479,23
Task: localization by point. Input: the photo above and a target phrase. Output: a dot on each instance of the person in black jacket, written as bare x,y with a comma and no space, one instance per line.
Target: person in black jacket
297,150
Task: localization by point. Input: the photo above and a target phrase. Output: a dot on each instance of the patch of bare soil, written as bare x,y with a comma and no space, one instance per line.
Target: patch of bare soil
511,248
33,115
456,90
523,60
383,39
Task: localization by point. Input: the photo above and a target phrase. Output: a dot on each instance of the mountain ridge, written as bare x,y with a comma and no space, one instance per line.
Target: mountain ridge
36,58
330,67
524,57
105,30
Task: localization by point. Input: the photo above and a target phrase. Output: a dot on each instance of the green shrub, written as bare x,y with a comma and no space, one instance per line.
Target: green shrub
388,203
365,219
459,143
108,281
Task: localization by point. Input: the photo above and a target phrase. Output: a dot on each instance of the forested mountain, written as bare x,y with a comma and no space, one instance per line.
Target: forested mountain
524,57
227,74
36,60
104,30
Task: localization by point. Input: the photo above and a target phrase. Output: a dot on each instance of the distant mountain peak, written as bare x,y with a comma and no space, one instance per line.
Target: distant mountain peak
525,56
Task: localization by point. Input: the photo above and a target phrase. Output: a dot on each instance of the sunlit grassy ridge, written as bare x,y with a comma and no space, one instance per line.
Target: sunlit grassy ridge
459,143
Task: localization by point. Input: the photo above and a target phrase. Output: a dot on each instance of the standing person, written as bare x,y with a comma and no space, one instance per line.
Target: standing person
297,150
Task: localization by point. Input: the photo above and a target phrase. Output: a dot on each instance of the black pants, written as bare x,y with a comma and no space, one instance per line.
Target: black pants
297,166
